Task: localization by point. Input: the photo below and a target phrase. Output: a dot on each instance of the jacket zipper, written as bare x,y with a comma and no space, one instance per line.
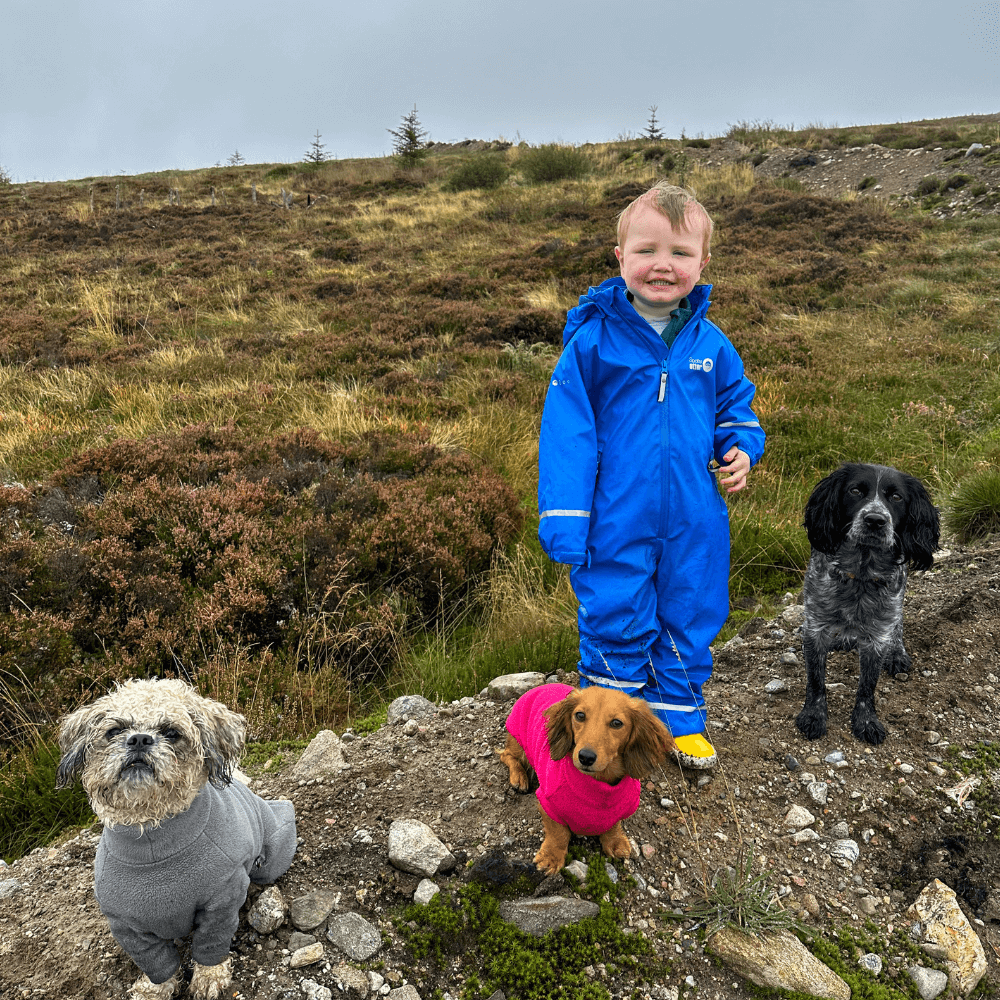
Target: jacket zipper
664,447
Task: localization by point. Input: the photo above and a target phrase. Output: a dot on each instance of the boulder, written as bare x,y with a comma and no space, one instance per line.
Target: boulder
537,916
511,686
323,756
415,848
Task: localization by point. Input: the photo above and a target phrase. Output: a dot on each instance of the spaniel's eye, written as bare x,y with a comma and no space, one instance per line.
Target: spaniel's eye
616,723
112,733
854,491
172,735
580,716
895,497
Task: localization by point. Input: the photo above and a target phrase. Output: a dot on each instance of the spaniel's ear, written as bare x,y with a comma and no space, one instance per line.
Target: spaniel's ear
648,744
920,533
559,726
825,522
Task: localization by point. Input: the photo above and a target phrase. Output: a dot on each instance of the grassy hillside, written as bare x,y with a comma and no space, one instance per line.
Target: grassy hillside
290,452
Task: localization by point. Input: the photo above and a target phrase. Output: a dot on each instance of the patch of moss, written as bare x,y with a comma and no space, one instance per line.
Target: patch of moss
466,927
256,755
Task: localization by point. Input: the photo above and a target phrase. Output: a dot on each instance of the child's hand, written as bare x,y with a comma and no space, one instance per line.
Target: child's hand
738,467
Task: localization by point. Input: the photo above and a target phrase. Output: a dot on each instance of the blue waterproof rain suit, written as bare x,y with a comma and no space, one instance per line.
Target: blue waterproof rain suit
626,496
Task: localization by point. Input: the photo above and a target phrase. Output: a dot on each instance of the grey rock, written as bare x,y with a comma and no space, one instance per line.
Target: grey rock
798,817
361,837
314,991
268,911
306,955
869,905
323,756
426,891
777,961
513,685
788,659
734,643
375,981
840,830
835,757
930,983
406,992
411,727
845,850
537,916
871,963
793,615
350,981
776,686
410,706
791,763
309,911
810,904
612,873
933,737
805,836
971,151
352,934
819,792
9,886
298,940
940,921
415,848
578,869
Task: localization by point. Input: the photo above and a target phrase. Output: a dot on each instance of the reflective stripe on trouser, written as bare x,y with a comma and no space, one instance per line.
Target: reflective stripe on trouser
646,630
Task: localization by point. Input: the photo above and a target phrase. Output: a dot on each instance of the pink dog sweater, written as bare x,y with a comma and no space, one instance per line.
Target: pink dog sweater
587,806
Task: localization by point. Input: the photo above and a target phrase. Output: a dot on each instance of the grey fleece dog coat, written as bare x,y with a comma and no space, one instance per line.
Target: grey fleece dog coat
191,872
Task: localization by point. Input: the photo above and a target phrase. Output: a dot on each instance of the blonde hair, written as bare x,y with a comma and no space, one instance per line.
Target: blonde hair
676,203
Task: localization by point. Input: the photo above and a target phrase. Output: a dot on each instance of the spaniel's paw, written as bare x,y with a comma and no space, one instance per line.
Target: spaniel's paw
811,723
866,726
898,662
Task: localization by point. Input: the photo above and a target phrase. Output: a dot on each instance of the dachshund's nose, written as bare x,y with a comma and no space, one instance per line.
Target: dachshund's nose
586,757
875,520
139,741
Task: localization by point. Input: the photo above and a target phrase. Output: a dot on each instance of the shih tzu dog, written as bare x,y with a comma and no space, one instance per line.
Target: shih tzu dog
181,840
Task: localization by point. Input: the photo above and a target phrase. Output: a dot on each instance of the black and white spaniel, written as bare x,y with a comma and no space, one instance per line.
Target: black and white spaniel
866,524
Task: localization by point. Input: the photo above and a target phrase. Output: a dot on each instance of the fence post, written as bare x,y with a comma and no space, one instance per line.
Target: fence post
253,192
142,197
118,197
91,199
212,190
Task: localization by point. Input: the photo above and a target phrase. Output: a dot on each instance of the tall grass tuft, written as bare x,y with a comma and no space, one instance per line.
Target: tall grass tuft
973,510
544,164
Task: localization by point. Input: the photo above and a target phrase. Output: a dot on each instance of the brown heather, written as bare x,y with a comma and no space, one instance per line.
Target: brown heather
270,449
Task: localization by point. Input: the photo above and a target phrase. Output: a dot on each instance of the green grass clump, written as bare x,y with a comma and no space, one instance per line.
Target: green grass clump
32,812
973,510
927,185
467,928
481,172
544,164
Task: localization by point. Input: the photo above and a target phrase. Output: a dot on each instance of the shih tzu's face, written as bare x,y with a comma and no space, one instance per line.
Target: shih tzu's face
144,751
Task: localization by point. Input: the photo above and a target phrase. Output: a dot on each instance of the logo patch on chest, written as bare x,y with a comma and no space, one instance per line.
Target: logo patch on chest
700,364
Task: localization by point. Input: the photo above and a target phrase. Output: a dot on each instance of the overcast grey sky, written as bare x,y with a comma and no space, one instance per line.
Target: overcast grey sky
110,86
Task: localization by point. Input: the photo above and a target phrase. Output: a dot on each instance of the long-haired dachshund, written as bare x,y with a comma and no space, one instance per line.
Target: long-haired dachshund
590,749
865,524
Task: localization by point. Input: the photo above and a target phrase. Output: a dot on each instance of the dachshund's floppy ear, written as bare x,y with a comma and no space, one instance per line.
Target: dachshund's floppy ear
921,531
824,519
559,726
649,742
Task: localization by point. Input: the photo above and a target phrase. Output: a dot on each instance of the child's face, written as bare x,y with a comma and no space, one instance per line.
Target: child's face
661,264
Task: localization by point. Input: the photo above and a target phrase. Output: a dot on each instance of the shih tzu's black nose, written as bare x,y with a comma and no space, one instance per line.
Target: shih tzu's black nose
586,757
140,741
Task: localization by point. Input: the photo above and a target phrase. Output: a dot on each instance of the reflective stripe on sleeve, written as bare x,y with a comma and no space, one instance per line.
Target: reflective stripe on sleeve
739,423
564,513
618,685
673,708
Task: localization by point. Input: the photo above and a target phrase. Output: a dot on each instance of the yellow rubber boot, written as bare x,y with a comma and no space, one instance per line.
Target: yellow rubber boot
696,752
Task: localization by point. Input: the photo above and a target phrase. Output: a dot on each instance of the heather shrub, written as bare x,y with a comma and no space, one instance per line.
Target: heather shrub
544,164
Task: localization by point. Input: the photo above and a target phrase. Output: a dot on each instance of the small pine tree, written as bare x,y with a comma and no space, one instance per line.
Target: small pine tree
653,130
408,139
316,153
236,160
